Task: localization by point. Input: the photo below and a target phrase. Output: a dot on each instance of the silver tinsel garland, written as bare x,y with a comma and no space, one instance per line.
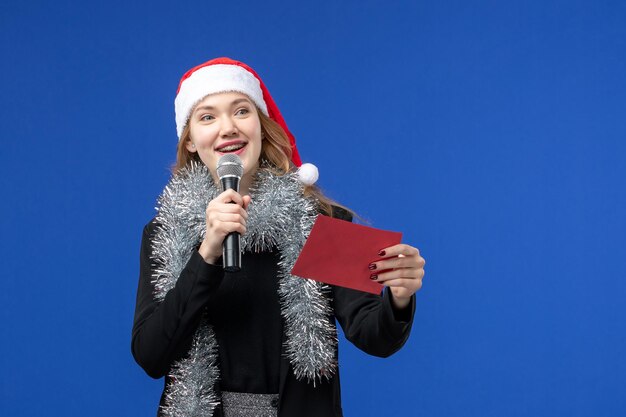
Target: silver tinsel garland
278,217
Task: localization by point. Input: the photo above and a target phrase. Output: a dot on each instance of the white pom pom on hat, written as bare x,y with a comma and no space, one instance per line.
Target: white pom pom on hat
308,174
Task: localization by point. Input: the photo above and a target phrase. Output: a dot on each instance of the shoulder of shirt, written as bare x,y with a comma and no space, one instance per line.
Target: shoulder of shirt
150,227
341,213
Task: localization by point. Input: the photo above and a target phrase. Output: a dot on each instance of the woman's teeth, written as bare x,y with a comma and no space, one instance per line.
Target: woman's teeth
231,148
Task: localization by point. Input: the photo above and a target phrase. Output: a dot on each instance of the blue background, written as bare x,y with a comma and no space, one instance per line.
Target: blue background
490,132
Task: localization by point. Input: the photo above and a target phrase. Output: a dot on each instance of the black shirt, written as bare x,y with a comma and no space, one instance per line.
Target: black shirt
246,318
163,330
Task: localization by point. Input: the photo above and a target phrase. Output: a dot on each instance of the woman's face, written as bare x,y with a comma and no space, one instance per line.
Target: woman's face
226,123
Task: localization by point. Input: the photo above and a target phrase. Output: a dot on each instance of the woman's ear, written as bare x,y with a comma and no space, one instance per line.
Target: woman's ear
191,147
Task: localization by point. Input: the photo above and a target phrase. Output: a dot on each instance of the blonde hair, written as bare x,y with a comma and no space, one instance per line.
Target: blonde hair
275,148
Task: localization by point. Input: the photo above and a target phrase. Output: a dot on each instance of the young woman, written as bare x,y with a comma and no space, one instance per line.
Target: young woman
259,342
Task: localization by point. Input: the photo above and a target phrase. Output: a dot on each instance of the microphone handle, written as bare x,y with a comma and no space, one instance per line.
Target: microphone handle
231,252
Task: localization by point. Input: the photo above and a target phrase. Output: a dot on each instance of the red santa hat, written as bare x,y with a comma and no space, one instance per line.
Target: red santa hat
221,75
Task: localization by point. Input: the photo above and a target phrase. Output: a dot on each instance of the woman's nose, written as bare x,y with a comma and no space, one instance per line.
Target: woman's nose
228,127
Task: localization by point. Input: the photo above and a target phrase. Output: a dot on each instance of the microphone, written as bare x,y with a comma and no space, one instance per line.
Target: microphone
229,171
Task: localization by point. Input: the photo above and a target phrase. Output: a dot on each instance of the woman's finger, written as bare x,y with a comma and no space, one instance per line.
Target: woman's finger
230,196
399,249
411,285
398,262
246,201
402,273
227,218
225,228
226,208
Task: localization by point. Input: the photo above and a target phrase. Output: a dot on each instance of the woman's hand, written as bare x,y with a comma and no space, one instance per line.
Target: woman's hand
402,271
223,217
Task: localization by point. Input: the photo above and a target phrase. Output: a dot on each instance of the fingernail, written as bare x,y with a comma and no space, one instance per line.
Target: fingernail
373,277
381,253
372,266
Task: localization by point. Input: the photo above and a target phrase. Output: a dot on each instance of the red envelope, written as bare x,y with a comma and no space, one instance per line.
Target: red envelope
338,252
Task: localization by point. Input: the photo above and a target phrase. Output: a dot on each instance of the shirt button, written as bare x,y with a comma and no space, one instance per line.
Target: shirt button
275,402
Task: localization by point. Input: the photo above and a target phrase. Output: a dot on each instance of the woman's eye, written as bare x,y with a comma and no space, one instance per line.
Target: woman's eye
243,111
206,117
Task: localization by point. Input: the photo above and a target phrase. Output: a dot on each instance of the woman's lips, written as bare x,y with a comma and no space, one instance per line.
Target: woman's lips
221,148
237,152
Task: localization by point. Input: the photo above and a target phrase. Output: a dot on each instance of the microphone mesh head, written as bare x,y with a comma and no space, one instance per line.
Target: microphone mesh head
229,165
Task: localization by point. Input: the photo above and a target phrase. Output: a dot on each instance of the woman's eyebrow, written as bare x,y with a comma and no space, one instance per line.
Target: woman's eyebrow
204,108
240,100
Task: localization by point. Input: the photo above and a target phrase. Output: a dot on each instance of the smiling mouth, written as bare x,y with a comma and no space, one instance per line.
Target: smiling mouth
234,147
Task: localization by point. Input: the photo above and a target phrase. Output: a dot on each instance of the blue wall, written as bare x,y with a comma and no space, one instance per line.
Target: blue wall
501,122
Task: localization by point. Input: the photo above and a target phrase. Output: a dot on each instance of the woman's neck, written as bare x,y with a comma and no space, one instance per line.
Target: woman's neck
244,184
